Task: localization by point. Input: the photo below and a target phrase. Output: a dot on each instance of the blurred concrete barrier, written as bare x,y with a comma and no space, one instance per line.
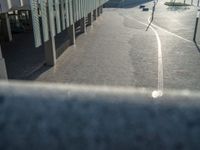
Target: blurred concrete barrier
56,117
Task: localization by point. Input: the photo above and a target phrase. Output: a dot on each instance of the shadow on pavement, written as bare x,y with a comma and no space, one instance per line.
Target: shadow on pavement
21,56
178,8
33,76
125,3
24,60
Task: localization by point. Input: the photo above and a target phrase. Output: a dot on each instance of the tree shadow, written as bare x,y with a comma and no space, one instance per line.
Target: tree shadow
125,3
178,8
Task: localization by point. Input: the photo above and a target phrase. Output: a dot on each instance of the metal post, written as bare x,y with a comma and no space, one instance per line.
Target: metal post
3,72
198,3
196,26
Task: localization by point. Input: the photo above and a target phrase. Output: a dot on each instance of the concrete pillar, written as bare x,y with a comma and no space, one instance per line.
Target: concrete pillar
72,35
30,19
5,26
90,19
95,14
3,72
50,51
98,11
101,9
83,25
50,47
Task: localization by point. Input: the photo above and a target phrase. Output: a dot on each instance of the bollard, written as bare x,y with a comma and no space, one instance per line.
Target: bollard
196,25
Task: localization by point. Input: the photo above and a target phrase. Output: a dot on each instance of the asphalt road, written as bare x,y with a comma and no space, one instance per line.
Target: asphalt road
118,51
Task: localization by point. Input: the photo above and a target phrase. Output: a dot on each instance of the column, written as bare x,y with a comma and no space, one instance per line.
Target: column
83,25
95,14
98,11
90,19
3,72
101,9
5,26
30,19
72,34
50,51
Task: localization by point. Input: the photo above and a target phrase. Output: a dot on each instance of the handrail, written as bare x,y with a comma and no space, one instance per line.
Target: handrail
56,116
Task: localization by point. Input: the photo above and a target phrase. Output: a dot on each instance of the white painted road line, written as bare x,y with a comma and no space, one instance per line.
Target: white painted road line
159,92
165,30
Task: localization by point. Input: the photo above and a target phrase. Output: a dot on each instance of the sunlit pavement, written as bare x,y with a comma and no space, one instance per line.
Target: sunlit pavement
119,51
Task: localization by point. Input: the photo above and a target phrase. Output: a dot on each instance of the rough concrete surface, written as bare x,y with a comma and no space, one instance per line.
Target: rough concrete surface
118,51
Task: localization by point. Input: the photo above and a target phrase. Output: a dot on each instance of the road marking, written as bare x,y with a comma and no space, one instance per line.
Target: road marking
159,92
165,30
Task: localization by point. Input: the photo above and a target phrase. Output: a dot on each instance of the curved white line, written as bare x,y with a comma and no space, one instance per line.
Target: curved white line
159,92
156,94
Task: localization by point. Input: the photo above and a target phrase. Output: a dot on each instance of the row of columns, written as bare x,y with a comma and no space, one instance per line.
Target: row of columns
50,48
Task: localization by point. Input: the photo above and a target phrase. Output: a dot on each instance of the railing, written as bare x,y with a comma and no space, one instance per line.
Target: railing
52,116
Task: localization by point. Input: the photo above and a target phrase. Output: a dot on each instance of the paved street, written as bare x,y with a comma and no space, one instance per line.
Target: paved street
118,51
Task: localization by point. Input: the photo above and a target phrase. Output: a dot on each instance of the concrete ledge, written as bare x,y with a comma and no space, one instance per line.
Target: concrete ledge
39,116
